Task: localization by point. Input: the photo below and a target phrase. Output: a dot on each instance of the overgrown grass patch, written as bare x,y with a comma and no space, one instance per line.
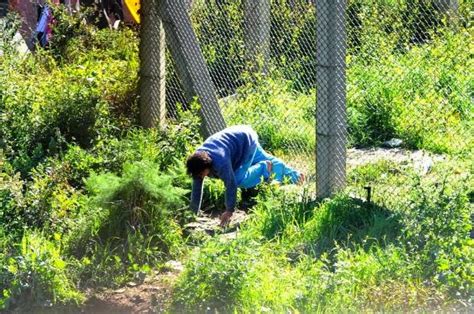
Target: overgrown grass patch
410,248
284,119
34,272
422,96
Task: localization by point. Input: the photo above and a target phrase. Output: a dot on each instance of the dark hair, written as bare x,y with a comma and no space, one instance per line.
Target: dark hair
198,162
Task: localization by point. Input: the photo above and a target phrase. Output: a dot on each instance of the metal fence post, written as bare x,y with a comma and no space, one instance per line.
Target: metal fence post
257,22
190,64
152,67
331,97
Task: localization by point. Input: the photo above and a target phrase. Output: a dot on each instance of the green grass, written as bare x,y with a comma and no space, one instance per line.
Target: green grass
410,251
88,199
283,119
35,272
422,96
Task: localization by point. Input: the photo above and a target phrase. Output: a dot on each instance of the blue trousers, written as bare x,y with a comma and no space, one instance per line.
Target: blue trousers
255,169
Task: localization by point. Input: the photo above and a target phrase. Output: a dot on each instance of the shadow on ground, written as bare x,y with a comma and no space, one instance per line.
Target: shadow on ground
351,223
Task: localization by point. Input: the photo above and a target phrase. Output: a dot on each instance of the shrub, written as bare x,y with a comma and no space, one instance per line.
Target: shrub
437,224
33,273
84,93
214,277
133,218
11,197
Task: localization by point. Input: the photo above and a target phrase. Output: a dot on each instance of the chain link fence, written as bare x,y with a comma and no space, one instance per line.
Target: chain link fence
409,91
379,68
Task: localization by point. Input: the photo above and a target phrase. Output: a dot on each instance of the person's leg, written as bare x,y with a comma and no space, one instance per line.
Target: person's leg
251,176
240,173
254,175
280,170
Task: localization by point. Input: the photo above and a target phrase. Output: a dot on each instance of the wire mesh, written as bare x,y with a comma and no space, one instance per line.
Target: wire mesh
261,58
408,90
380,67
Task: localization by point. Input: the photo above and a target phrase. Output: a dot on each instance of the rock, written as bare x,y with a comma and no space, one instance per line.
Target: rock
422,163
211,225
229,236
393,143
137,299
176,266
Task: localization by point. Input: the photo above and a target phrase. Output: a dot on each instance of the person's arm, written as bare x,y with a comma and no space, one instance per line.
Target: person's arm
196,194
227,175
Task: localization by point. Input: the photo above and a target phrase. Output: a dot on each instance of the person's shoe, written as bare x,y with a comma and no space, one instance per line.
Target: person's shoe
248,198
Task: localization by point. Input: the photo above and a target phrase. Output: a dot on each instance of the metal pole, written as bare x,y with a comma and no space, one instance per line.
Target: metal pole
331,97
152,67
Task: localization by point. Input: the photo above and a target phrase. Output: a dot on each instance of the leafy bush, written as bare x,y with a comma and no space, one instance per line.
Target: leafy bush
140,199
34,273
437,223
132,219
11,188
217,285
48,100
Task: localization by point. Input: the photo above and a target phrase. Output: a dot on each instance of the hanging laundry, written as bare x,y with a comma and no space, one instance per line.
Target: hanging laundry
43,31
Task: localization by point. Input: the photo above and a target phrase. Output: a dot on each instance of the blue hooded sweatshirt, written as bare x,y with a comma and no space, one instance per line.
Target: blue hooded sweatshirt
229,149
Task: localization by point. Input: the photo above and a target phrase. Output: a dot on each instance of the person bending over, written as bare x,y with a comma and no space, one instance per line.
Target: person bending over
235,156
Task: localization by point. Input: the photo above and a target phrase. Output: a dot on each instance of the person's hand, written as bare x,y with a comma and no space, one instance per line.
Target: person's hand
225,218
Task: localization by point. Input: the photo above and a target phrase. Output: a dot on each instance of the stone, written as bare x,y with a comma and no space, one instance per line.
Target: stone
393,143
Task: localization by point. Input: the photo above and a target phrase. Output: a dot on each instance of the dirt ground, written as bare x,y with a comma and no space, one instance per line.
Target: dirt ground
154,294
421,161
151,296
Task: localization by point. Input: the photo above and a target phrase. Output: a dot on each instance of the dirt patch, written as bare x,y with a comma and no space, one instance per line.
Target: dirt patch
421,161
151,296
210,224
